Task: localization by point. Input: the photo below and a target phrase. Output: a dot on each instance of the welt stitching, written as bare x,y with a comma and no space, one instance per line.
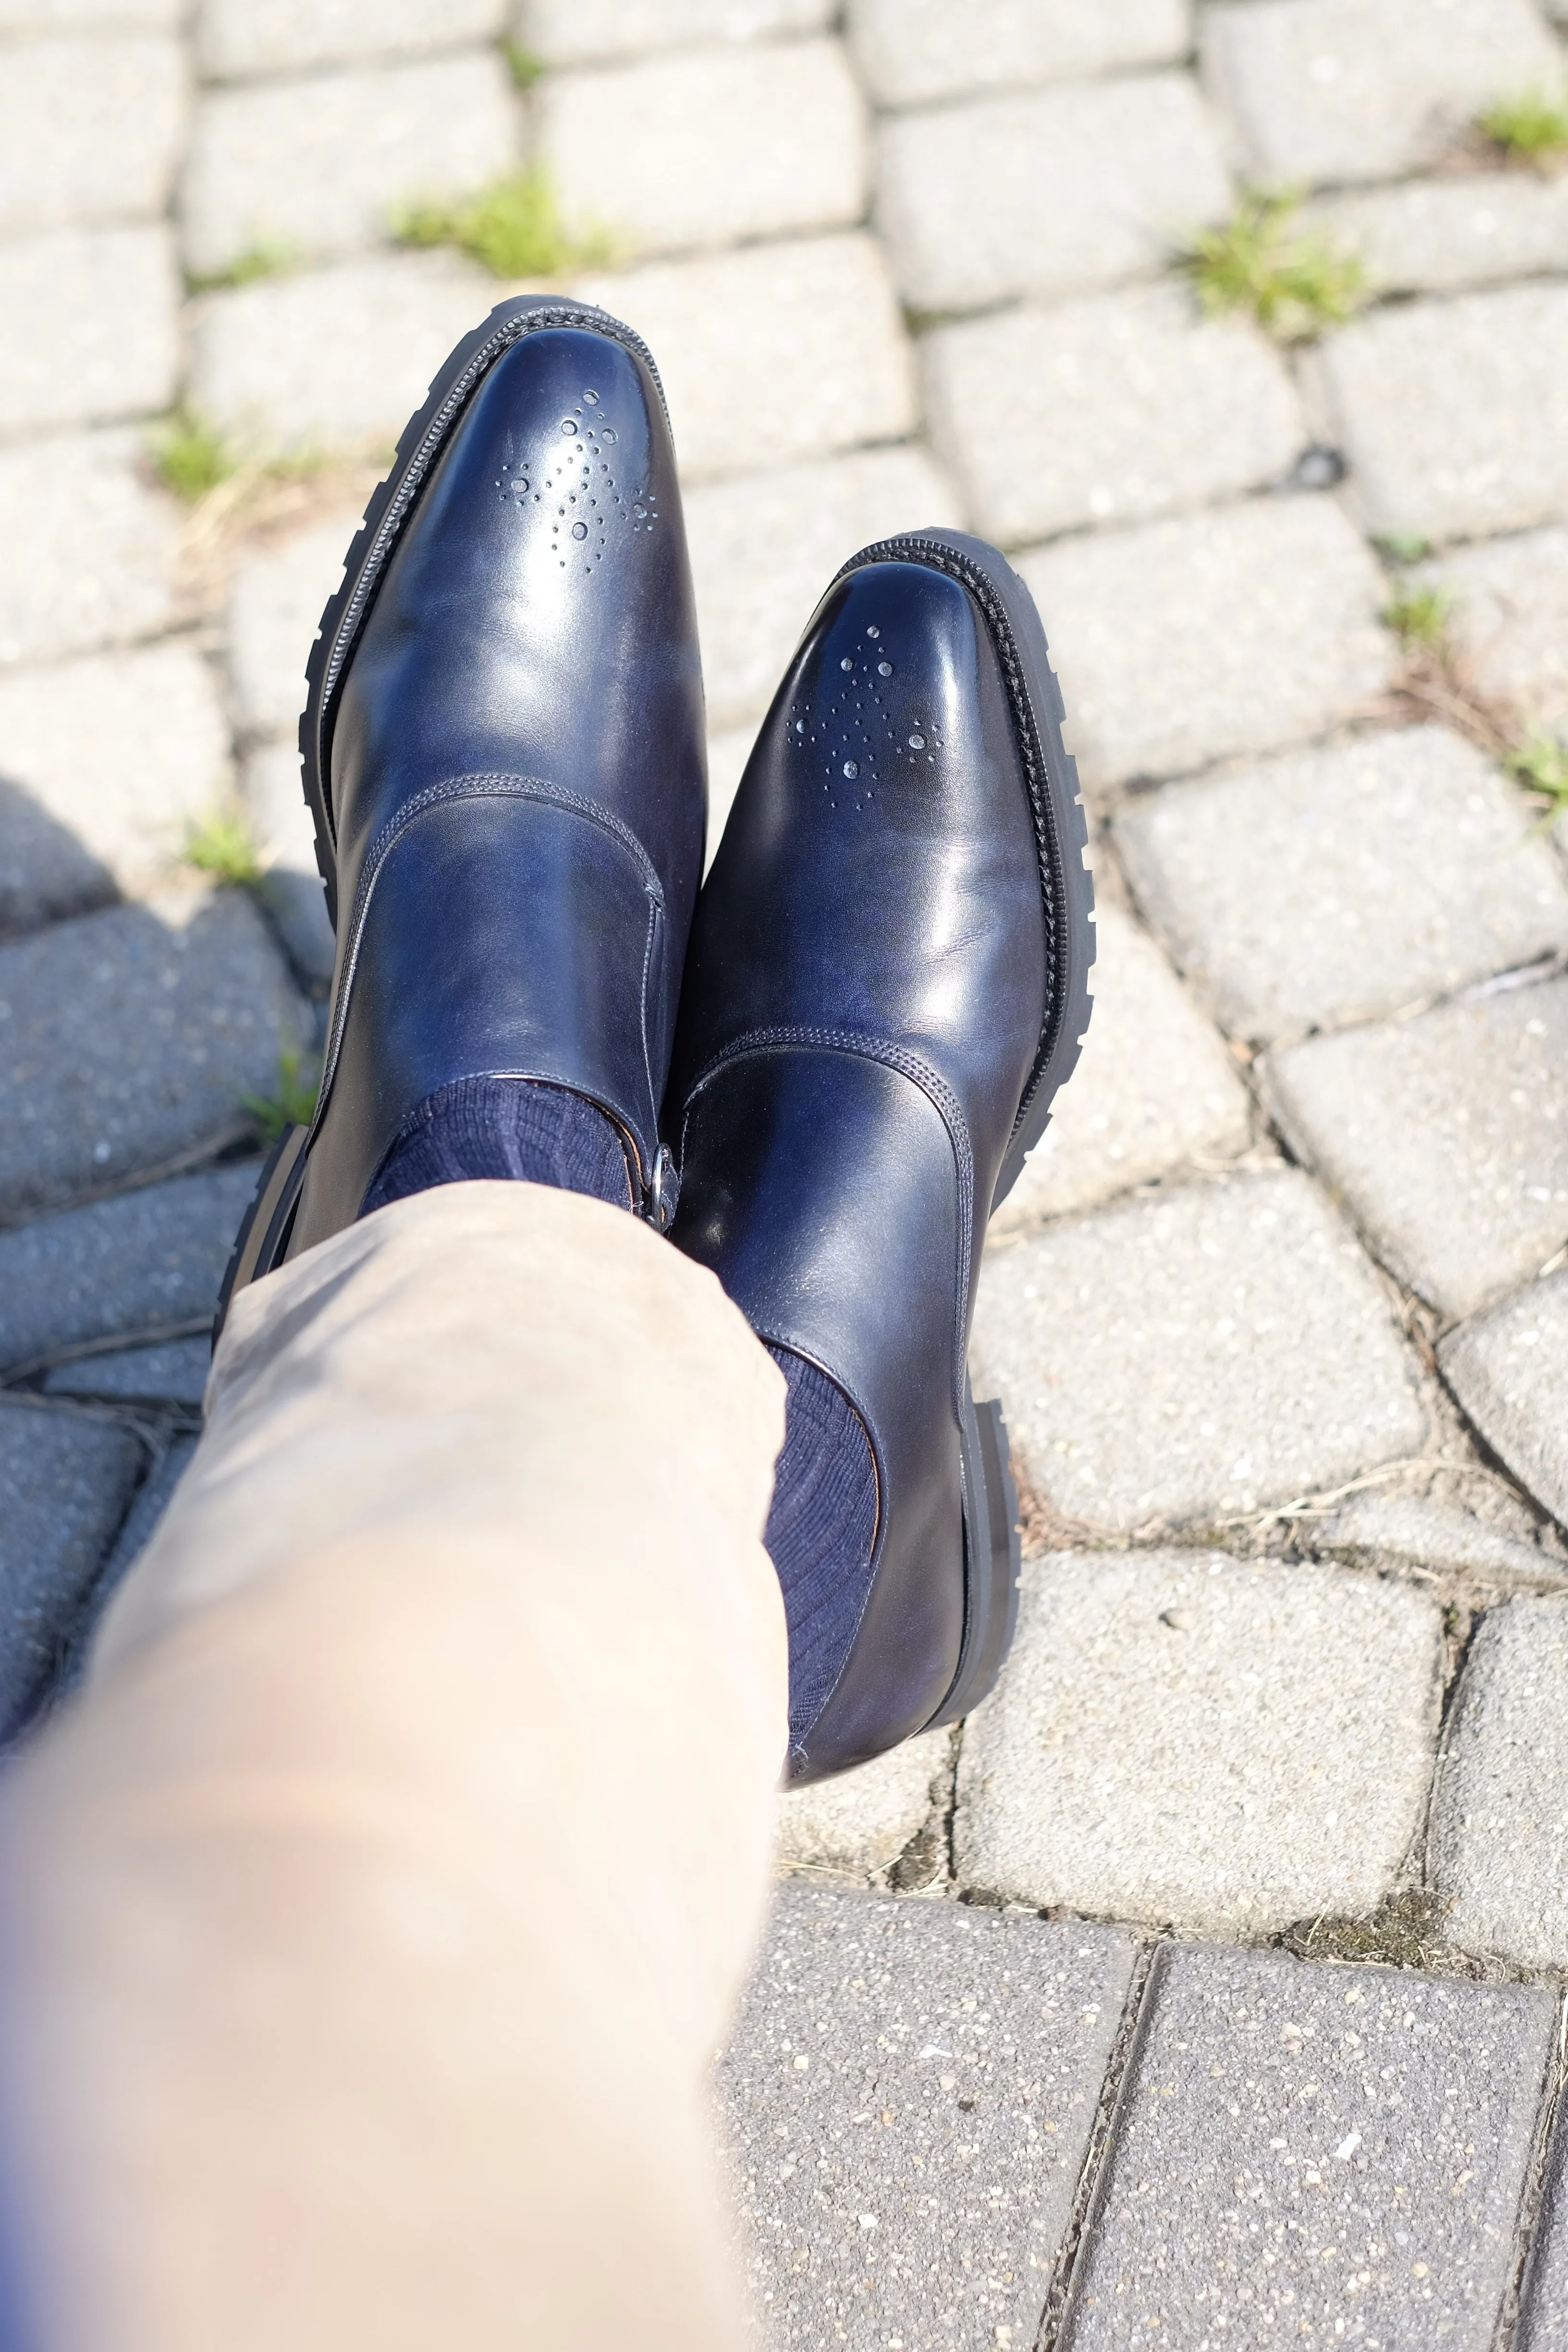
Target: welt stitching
919,1072
461,788
654,912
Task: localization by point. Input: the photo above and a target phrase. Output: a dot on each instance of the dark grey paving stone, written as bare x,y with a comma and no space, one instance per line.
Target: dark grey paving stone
298,906
46,870
141,1525
175,1372
129,1037
909,2096
64,1479
1317,2154
1543,2320
141,1262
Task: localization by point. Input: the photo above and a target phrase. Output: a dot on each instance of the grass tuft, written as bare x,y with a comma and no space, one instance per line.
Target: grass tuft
513,228
256,261
1541,764
1294,282
522,63
1532,126
1402,546
1418,616
221,846
192,457
293,1104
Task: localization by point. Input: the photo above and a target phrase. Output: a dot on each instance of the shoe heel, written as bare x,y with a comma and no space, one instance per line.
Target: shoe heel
264,1231
992,1555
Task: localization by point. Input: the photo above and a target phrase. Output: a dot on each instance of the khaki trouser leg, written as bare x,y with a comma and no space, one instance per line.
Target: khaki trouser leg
375,1910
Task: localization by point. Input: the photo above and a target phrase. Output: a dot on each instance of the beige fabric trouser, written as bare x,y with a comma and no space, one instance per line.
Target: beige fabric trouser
375,1910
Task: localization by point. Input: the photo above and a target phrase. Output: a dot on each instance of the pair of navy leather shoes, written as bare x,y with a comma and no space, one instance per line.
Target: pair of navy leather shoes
827,1063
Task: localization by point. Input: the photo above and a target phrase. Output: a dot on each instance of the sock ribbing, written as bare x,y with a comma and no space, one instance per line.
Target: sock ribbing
820,1532
505,1128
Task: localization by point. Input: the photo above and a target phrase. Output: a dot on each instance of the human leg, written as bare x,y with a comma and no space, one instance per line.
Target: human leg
375,1907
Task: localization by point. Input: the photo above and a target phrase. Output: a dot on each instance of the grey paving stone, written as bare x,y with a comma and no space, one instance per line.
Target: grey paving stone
1366,90
809,520
1330,886
1498,1844
175,1372
101,546
782,145
1508,1370
239,37
774,353
1109,409
1320,2155
291,885
1454,416
275,603
338,358
1439,236
1192,639
1222,1745
65,1480
1372,1528
1208,1351
319,165
1155,1089
139,1264
1045,193
153,1499
72,15
89,129
910,50
92,328
1510,618
106,763
1446,1136
728,754
580,32
859,1823
129,1038
909,2096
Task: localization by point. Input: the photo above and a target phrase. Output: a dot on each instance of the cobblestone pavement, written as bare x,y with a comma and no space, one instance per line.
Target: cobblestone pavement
1207,1989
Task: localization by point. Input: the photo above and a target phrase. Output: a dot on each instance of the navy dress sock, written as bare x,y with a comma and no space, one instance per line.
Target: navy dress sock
504,1127
820,1532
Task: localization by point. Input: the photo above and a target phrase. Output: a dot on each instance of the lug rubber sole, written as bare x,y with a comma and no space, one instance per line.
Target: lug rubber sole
992,1555
265,1225
1061,830
264,1235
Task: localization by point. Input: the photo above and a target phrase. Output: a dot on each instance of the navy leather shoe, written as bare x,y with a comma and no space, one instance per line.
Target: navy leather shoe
504,755
886,985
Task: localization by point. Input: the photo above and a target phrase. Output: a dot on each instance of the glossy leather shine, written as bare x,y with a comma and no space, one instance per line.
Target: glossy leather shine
864,999
517,778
